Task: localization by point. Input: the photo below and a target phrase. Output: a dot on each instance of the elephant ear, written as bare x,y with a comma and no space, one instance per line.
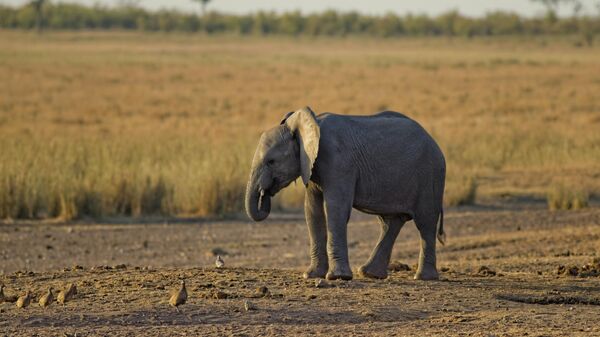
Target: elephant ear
287,115
303,124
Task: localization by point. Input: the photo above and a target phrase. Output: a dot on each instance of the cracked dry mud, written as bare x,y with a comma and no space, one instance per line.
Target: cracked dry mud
500,276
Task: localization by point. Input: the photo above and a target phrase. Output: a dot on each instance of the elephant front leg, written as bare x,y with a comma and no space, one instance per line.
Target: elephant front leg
338,206
317,231
378,263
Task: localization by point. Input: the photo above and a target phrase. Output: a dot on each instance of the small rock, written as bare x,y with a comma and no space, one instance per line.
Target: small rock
219,295
311,296
262,291
485,271
568,270
368,313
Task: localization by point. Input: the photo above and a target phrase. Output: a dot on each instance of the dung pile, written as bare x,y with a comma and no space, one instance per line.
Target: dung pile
398,266
485,271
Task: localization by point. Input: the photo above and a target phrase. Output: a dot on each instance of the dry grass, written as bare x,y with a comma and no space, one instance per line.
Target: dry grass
292,197
126,123
460,192
565,196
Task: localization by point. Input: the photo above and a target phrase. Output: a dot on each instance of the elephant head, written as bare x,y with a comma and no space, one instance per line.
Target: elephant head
283,154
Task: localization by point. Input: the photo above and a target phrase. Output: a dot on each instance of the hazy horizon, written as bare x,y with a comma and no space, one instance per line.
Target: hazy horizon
430,7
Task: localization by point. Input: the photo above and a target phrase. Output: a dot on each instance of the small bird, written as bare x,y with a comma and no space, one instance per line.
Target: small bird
67,293
178,297
72,288
219,262
47,298
6,298
24,300
62,297
249,306
320,283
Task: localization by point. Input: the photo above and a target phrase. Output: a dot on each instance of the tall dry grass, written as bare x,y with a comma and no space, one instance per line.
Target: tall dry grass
566,195
460,192
74,177
101,124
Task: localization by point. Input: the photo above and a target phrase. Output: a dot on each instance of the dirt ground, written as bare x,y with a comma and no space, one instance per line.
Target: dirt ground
507,270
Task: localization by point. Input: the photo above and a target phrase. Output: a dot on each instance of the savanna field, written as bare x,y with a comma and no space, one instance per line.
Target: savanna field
124,158
108,123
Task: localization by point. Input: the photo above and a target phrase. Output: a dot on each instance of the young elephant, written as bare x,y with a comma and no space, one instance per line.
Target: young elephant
385,164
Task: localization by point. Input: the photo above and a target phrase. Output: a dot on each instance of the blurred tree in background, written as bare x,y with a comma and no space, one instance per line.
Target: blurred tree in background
203,4
584,25
38,7
129,15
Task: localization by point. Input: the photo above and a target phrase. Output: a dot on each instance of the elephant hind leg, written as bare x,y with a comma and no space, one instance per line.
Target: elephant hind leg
376,266
427,226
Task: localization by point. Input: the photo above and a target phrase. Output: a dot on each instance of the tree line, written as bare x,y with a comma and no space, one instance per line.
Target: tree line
328,23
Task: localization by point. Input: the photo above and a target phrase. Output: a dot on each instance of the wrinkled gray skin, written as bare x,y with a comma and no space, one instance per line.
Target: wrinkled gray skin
385,164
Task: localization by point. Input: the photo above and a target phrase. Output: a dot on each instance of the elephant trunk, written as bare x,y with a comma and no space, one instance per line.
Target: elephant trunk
258,201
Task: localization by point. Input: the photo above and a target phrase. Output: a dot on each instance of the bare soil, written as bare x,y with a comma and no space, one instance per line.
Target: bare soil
507,270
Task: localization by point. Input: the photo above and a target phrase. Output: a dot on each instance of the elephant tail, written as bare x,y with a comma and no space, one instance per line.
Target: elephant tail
441,235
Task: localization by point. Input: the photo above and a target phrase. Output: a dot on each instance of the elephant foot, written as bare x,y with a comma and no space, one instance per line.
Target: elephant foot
427,274
315,272
371,271
339,273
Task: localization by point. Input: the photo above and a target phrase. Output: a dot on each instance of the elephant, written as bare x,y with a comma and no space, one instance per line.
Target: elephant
384,164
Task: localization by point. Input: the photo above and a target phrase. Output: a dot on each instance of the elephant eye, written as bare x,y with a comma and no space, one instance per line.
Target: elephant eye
270,162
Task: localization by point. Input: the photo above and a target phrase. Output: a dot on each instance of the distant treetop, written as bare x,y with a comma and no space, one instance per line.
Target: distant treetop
128,15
